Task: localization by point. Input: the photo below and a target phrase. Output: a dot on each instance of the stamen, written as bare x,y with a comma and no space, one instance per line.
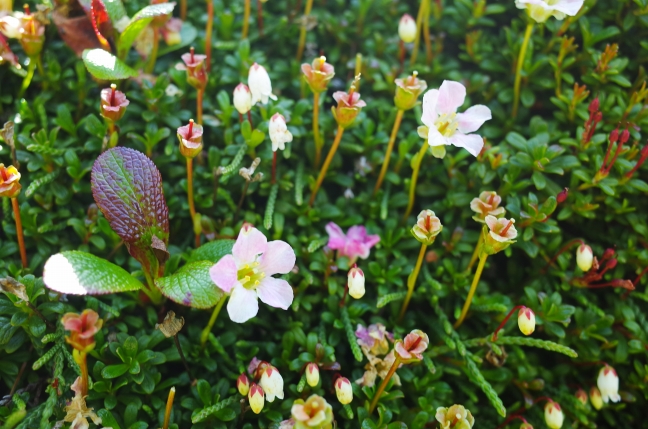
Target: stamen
412,78
506,228
322,60
191,51
113,87
189,135
492,197
26,8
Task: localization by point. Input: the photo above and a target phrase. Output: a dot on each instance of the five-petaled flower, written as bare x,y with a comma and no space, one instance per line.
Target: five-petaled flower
501,234
113,103
190,137
487,204
279,134
355,243
411,348
427,227
541,10
348,105
444,126
247,273
313,413
83,328
260,85
9,181
318,75
454,417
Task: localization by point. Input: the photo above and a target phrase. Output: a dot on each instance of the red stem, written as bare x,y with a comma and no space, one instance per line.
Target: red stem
250,119
561,251
260,17
506,319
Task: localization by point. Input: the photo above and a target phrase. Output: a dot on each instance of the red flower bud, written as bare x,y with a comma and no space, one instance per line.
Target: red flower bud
594,106
562,195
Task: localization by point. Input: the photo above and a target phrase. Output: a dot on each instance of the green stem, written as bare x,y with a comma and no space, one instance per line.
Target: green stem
520,65
411,282
316,133
31,68
246,20
327,162
475,254
390,148
154,52
473,288
205,333
415,172
382,386
302,31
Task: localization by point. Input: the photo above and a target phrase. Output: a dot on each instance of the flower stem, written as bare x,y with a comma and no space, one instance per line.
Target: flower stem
240,203
327,162
473,288
302,30
274,167
390,148
199,106
316,133
169,407
411,282
190,197
31,68
426,32
401,57
182,356
415,172
475,254
520,65
205,332
260,17
183,10
208,32
80,358
19,232
246,19
506,319
382,386
154,51
419,23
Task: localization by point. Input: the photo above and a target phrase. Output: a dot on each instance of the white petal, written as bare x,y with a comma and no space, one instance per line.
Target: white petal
471,142
279,258
250,243
473,118
435,138
429,107
242,305
569,7
275,292
451,96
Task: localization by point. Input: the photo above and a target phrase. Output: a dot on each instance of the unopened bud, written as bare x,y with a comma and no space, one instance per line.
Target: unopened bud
584,257
243,384
242,98
356,281
562,196
611,264
581,395
407,29
614,136
594,105
343,390
625,136
312,374
526,321
608,384
255,397
595,398
554,416
526,425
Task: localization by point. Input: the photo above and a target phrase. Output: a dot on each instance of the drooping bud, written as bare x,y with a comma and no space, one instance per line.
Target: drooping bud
255,397
526,320
356,279
608,384
595,398
427,227
190,137
553,415
260,85
348,105
408,91
581,395
407,29
113,103
318,75
487,204
312,374
9,181
562,196
194,65
242,98
584,257
243,384
501,234
272,383
278,131
454,417
411,348
343,390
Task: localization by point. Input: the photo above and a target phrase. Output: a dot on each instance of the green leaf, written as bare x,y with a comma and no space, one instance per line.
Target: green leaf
81,273
386,299
138,23
191,286
114,371
212,251
115,10
200,415
105,66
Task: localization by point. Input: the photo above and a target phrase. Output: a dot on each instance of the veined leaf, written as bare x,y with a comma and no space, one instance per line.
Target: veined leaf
138,23
105,66
127,187
81,273
191,285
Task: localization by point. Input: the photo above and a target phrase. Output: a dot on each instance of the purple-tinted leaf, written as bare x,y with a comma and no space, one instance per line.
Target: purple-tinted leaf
127,187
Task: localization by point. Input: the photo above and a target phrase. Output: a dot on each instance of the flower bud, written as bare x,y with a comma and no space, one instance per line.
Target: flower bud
113,103
343,390
562,196
526,425
427,227
242,98
584,257
411,348
356,279
243,384
407,29
348,106
595,398
454,417
318,75
32,34
260,85
553,415
408,91
594,106
501,234
255,397
272,383
190,137
9,181
581,395
194,65
312,374
526,321
278,131
608,384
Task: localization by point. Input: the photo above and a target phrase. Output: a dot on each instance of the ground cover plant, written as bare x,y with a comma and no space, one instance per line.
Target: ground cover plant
323,214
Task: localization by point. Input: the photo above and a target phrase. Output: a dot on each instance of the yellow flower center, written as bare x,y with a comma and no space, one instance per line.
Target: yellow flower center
447,124
250,275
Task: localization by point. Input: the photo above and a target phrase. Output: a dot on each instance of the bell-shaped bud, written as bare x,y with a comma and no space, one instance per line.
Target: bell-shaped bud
272,383
581,395
278,131
343,390
501,234
243,384
260,85
356,279
348,105
407,29
427,227
595,398
190,137
487,204
194,65
526,320
255,397
412,347
9,181
608,384
584,257
553,415
318,75
408,91
454,417
242,98
312,374
113,103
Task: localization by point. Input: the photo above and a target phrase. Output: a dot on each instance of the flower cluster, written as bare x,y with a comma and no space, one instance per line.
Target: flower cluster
374,342
268,382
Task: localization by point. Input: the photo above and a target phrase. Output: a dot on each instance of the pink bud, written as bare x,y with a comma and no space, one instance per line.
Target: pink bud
562,196
625,135
614,136
594,105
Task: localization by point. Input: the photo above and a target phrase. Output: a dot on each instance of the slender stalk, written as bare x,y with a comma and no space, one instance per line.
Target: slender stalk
382,386
182,356
190,194
240,203
411,282
327,163
316,133
419,23
246,19
183,10
205,332
401,57
31,68
426,32
249,115
169,407
260,17
19,232
302,30
39,66
358,69
274,167
154,52
475,254
415,172
506,319
390,148
199,106
80,358
208,34
520,64
473,288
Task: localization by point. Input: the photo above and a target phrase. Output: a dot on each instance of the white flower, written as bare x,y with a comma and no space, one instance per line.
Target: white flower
608,384
11,26
279,134
407,29
272,383
541,10
242,98
447,127
260,84
343,390
526,321
356,281
553,415
584,257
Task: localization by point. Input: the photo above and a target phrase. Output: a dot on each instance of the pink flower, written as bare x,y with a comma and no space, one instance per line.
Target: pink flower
356,243
247,273
113,103
414,344
83,328
447,127
374,337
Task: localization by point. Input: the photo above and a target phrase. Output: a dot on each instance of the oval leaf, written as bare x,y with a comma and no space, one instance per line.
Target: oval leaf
191,286
105,66
212,251
139,23
81,273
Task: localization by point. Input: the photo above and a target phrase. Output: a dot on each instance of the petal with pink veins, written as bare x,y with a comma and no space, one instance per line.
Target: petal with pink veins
471,142
250,243
337,239
275,292
224,273
242,305
279,258
491,221
451,96
473,118
430,114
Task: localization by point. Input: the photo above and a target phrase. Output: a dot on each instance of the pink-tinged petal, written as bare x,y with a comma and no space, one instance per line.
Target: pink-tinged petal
340,96
224,273
337,239
72,322
451,96
471,142
473,118
279,258
360,103
357,233
298,412
430,114
491,221
569,7
250,243
307,70
275,292
242,305
372,240
435,138
401,351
